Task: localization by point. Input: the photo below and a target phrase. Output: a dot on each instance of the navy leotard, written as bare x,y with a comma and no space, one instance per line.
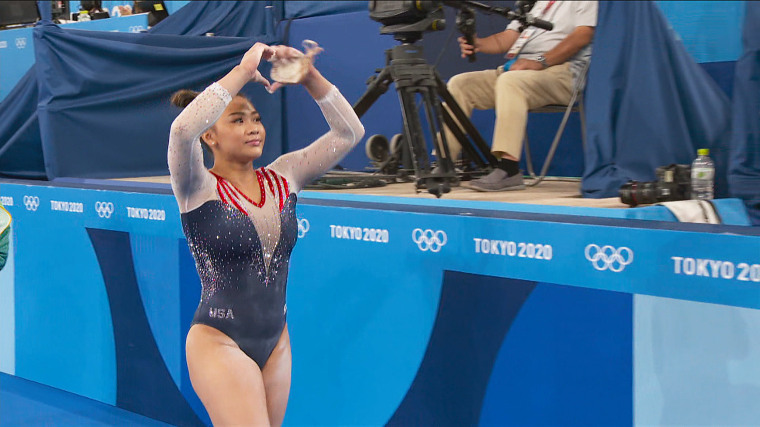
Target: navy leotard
242,249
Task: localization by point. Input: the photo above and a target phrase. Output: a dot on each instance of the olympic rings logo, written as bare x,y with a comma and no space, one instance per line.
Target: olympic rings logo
303,227
31,203
104,209
429,239
608,257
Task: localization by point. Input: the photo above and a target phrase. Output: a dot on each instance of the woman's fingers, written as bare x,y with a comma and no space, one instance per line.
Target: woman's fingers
261,79
267,52
285,52
252,59
273,88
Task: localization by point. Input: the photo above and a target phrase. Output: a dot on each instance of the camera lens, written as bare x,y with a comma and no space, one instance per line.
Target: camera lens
634,193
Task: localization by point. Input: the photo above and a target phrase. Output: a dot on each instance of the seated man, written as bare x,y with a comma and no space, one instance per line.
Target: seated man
542,70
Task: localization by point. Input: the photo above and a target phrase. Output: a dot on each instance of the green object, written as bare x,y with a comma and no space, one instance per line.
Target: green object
5,233
703,152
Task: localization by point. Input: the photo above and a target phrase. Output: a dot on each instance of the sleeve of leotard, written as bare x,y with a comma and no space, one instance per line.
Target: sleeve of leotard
188,173
302,166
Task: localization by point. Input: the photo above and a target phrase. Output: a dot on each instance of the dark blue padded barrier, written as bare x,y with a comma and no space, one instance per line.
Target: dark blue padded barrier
111,117
450,400
744,168
20,150
649,104
143,382
222,18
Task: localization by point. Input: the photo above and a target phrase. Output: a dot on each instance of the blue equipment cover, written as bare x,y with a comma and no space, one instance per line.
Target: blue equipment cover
648,103
104,107
304,9
744,164
222,18
20,149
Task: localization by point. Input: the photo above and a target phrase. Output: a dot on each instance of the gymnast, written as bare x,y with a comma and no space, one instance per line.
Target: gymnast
241,227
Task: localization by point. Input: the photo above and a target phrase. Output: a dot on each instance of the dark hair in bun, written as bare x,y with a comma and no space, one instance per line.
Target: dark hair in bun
183,97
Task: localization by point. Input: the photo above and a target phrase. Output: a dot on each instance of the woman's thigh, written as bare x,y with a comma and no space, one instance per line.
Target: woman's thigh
228,382
276,375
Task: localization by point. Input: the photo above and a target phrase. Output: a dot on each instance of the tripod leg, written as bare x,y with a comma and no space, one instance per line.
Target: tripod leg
413,135
435,121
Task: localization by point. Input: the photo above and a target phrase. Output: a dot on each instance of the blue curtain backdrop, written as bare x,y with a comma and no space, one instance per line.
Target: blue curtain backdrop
744,172
116,107
648,103
20,149
222,18
304,9
104,97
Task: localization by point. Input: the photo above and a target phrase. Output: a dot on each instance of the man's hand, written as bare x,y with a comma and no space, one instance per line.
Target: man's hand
468,49
526,64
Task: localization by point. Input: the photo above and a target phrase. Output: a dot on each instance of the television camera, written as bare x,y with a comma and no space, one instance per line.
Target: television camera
407,68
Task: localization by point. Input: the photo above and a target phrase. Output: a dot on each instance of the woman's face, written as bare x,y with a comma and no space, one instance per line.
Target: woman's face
238,135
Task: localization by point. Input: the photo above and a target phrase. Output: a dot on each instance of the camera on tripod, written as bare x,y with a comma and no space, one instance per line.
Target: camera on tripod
422,92
404,17
408,17
673,183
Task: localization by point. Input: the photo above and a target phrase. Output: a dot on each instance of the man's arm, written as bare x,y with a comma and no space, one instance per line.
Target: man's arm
498,43
572,44
493,44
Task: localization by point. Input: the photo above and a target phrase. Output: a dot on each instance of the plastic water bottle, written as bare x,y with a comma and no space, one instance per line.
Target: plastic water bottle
702,176
83,16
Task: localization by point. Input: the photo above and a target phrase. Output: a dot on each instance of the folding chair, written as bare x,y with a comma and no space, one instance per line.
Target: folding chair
575,105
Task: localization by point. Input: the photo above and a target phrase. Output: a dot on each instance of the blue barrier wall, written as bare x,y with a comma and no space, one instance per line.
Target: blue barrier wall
508,314
8,312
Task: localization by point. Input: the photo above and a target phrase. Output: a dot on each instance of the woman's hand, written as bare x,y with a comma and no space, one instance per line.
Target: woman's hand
252,59
297,63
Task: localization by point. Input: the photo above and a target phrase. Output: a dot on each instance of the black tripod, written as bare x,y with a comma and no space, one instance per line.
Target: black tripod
407,68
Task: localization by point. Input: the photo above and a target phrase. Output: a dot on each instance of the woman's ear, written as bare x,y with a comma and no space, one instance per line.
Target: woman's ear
209,137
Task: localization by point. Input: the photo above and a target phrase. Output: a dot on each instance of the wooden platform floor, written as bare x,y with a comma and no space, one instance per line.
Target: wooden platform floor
556,192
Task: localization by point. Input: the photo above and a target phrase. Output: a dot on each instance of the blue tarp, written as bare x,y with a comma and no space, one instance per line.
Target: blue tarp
744,167
648,103
104,97
20,149
222,18
110,117
304,9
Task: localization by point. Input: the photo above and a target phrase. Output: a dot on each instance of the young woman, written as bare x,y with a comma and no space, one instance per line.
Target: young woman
241,226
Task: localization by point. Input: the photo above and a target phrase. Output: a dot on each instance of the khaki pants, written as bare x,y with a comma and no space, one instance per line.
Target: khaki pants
511,94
